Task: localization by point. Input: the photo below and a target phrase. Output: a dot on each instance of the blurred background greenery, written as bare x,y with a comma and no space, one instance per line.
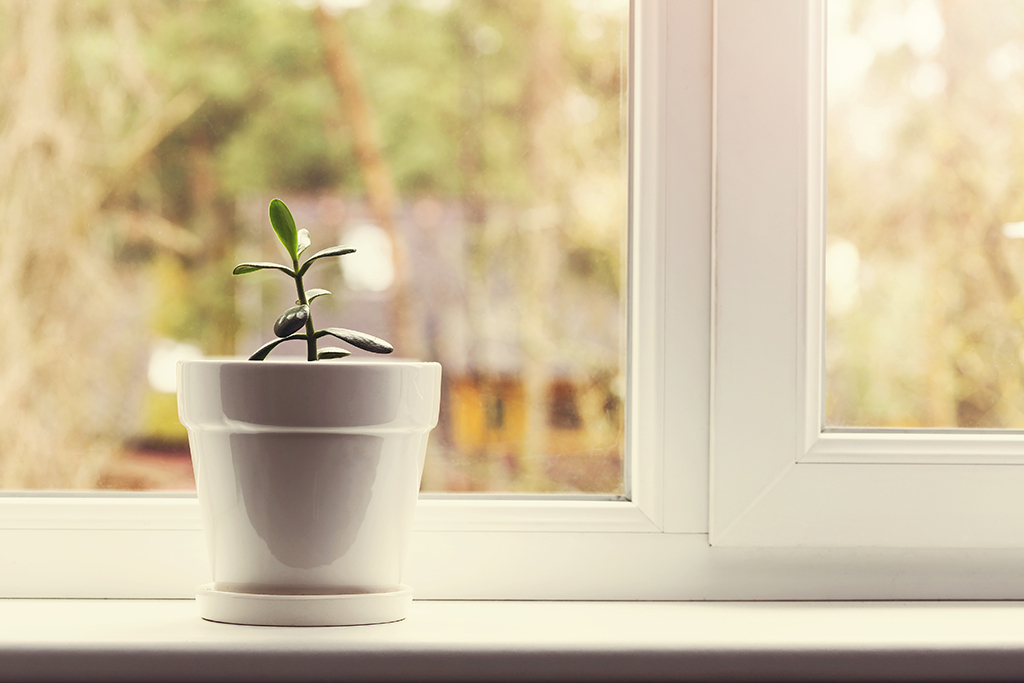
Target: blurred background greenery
925,256
474,151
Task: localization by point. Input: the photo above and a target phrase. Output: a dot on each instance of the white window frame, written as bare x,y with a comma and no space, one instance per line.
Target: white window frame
797,511
782,479
131,546
737,492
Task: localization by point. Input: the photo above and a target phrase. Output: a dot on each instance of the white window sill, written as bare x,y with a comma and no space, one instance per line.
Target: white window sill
152,640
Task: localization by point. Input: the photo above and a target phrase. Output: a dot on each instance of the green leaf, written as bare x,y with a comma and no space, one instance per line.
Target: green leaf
264,350
332,352
314,293
330,251
243,268
284,225
360,340
304,241
292,320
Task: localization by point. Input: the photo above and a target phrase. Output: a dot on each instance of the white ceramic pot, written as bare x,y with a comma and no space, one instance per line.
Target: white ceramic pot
308,475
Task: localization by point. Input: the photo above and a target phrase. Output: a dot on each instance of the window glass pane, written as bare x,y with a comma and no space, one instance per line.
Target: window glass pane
473,152
925,256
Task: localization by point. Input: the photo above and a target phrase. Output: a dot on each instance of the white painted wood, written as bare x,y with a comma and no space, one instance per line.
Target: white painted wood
647,263
780,479
432,514
96,511
761,57
958,447
597,565
685,567
687,254
533,515
811,239
107,640
534,566
670,278
894,506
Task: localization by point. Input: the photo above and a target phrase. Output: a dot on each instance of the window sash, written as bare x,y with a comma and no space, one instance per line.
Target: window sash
152,546
781,479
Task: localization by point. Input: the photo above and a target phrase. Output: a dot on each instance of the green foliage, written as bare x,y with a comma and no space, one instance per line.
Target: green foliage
359,340
243,268
314,293
454,97
292,320
925,168
284,225
330,251
298,316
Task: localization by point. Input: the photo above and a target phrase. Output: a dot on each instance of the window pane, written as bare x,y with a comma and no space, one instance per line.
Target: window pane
925,261
473,152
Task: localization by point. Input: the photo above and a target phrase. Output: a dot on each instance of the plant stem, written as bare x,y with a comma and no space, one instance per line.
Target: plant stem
310,339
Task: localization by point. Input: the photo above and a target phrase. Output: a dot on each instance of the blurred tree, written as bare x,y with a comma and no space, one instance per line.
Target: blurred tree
376,173
131,132
935,339
64,156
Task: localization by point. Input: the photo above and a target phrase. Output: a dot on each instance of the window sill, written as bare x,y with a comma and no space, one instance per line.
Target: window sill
158,640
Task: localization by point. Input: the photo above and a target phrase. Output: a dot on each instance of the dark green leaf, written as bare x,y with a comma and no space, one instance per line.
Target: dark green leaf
332,352
264,350
330,251
243,268
304,241
284,225
360,340
314,293
292,320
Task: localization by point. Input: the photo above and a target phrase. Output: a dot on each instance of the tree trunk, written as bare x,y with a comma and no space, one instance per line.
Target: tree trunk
380,188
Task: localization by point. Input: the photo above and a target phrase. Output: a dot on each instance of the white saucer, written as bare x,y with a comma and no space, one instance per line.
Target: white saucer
260,609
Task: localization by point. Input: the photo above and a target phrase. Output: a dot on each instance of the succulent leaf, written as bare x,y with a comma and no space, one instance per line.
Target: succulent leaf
243,268
314,293
284,225
263,351
304,241
292,320
360,340
330,251
332,352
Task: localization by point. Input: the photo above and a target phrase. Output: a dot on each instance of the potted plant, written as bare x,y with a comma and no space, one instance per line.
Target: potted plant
307,471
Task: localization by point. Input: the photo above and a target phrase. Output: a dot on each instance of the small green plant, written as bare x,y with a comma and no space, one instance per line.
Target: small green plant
299,316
